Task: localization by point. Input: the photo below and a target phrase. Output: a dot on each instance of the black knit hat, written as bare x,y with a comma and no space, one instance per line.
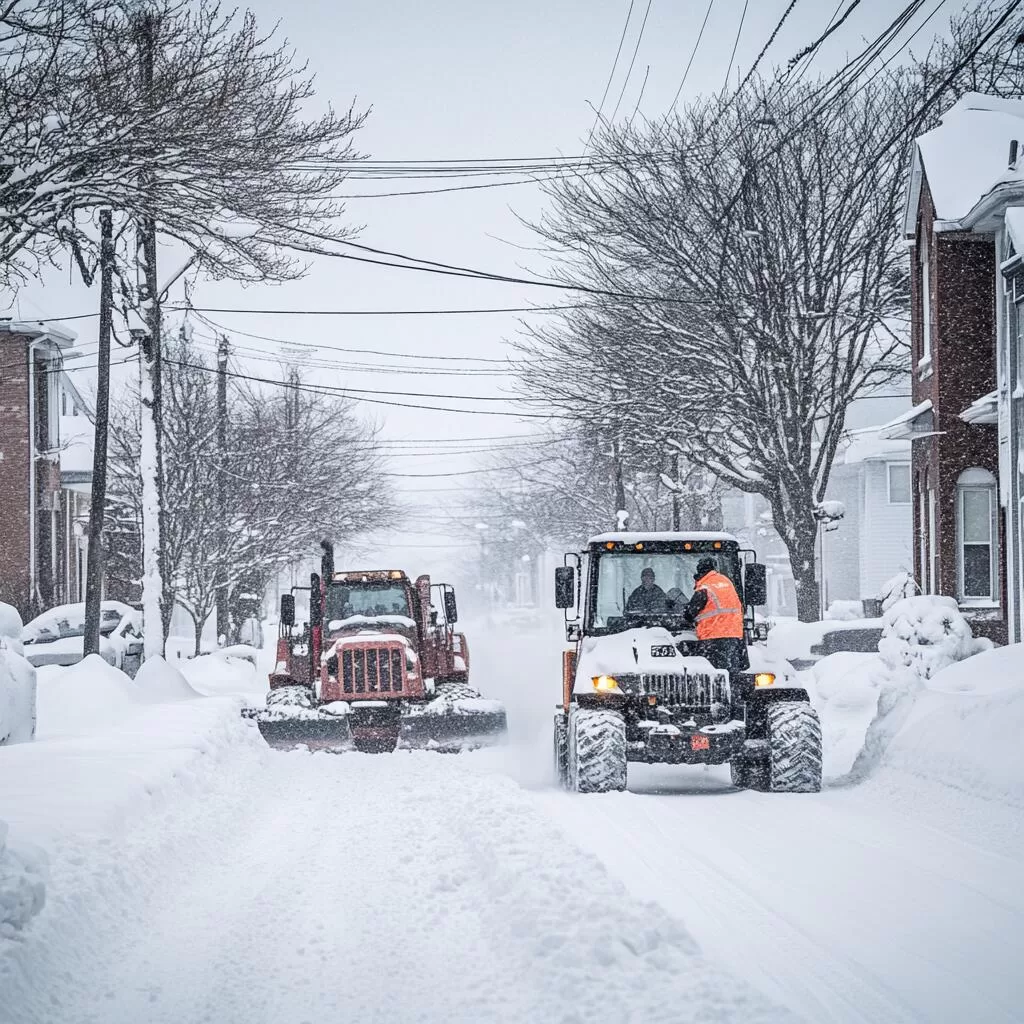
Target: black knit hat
704,566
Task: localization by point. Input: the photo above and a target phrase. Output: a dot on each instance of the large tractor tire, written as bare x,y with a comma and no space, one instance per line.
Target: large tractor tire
794,750
561,750
596,751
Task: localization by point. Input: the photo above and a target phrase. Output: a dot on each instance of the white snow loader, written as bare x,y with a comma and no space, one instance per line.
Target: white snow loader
634,687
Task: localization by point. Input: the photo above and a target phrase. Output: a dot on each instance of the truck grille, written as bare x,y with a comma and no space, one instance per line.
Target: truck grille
698,689
372,670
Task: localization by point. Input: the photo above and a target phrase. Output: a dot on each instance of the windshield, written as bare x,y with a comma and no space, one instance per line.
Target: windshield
370,600
629,588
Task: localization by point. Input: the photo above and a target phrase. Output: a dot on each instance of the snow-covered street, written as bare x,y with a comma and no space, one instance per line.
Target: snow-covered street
195,875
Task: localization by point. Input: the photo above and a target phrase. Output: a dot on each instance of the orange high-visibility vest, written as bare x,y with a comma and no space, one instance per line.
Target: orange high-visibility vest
722,616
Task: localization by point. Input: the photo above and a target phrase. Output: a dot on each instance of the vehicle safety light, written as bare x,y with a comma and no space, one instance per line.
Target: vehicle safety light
652,699
609,545
687,546
764,679
396,574
639,547
606,684
718,545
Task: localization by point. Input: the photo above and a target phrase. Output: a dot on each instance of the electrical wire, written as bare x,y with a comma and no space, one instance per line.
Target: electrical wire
735,45
328,391
689,63
632,62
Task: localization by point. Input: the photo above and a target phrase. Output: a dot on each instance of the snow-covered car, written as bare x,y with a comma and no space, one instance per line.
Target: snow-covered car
56,636
17,682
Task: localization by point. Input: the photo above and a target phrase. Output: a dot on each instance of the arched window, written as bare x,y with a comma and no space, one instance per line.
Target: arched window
977,559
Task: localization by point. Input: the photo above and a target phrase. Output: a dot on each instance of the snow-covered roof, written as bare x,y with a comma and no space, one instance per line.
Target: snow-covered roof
966,157
666,535
869,445
62,337
910,424
984,410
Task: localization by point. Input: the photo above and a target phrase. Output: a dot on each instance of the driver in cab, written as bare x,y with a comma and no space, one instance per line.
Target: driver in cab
648,598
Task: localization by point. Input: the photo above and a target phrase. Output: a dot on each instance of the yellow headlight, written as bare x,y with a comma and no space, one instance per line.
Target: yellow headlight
764,679
605,683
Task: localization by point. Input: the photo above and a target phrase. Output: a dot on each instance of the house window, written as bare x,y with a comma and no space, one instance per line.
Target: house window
976,534
926,303
899,483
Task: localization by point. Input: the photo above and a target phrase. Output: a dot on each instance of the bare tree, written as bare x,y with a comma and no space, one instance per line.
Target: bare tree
298,466
769,236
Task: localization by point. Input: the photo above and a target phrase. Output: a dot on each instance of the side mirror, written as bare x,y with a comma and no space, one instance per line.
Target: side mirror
565,587
451,610
327,561
287,609
755,583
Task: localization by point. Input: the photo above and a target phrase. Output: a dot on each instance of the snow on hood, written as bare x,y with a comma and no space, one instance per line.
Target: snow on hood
630,651
364,620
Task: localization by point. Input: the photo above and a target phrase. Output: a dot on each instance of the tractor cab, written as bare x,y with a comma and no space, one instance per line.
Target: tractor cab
636,581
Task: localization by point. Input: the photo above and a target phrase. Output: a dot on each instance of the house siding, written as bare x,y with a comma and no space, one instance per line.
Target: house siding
963,369
886,542
14,472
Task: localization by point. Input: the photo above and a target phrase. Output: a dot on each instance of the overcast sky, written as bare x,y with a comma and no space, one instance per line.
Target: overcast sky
459,80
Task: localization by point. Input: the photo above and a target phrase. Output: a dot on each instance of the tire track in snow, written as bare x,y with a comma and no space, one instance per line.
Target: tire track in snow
368,889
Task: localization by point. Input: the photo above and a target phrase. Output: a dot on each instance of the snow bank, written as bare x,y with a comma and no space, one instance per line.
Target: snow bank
10,627
844,688
844,611
212,674
921,636
965,729
22,885
84,698
157,680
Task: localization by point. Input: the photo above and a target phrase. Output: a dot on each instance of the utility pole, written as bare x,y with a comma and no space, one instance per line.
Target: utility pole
155,585
98,497
223,350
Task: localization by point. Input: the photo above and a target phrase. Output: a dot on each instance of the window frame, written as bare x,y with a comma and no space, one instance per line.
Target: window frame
978,481
889,467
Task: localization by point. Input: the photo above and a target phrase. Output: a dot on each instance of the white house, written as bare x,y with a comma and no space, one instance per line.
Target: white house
874,539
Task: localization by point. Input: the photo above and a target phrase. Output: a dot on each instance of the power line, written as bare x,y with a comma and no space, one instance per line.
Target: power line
689,63
735,45
611,75
632,62
328,391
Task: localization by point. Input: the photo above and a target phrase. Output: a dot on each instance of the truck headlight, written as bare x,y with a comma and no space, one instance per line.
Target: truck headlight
764,679
605,684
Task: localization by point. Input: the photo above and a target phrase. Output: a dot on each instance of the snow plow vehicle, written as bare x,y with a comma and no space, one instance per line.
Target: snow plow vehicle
635,688
376,668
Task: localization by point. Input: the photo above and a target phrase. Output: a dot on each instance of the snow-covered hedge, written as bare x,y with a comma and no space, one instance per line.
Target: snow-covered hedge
17,682
921,636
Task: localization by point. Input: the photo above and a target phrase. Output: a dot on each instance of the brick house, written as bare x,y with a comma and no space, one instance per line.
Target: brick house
41,558
964,330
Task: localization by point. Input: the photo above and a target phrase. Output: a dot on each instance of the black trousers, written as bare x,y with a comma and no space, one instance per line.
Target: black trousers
729,653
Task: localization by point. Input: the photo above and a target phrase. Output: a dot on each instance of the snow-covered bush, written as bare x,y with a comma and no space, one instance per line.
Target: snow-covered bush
920,636
896,588
17,682
924,634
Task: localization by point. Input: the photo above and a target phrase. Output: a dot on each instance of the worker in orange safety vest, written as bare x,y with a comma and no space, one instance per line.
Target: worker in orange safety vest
716,612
